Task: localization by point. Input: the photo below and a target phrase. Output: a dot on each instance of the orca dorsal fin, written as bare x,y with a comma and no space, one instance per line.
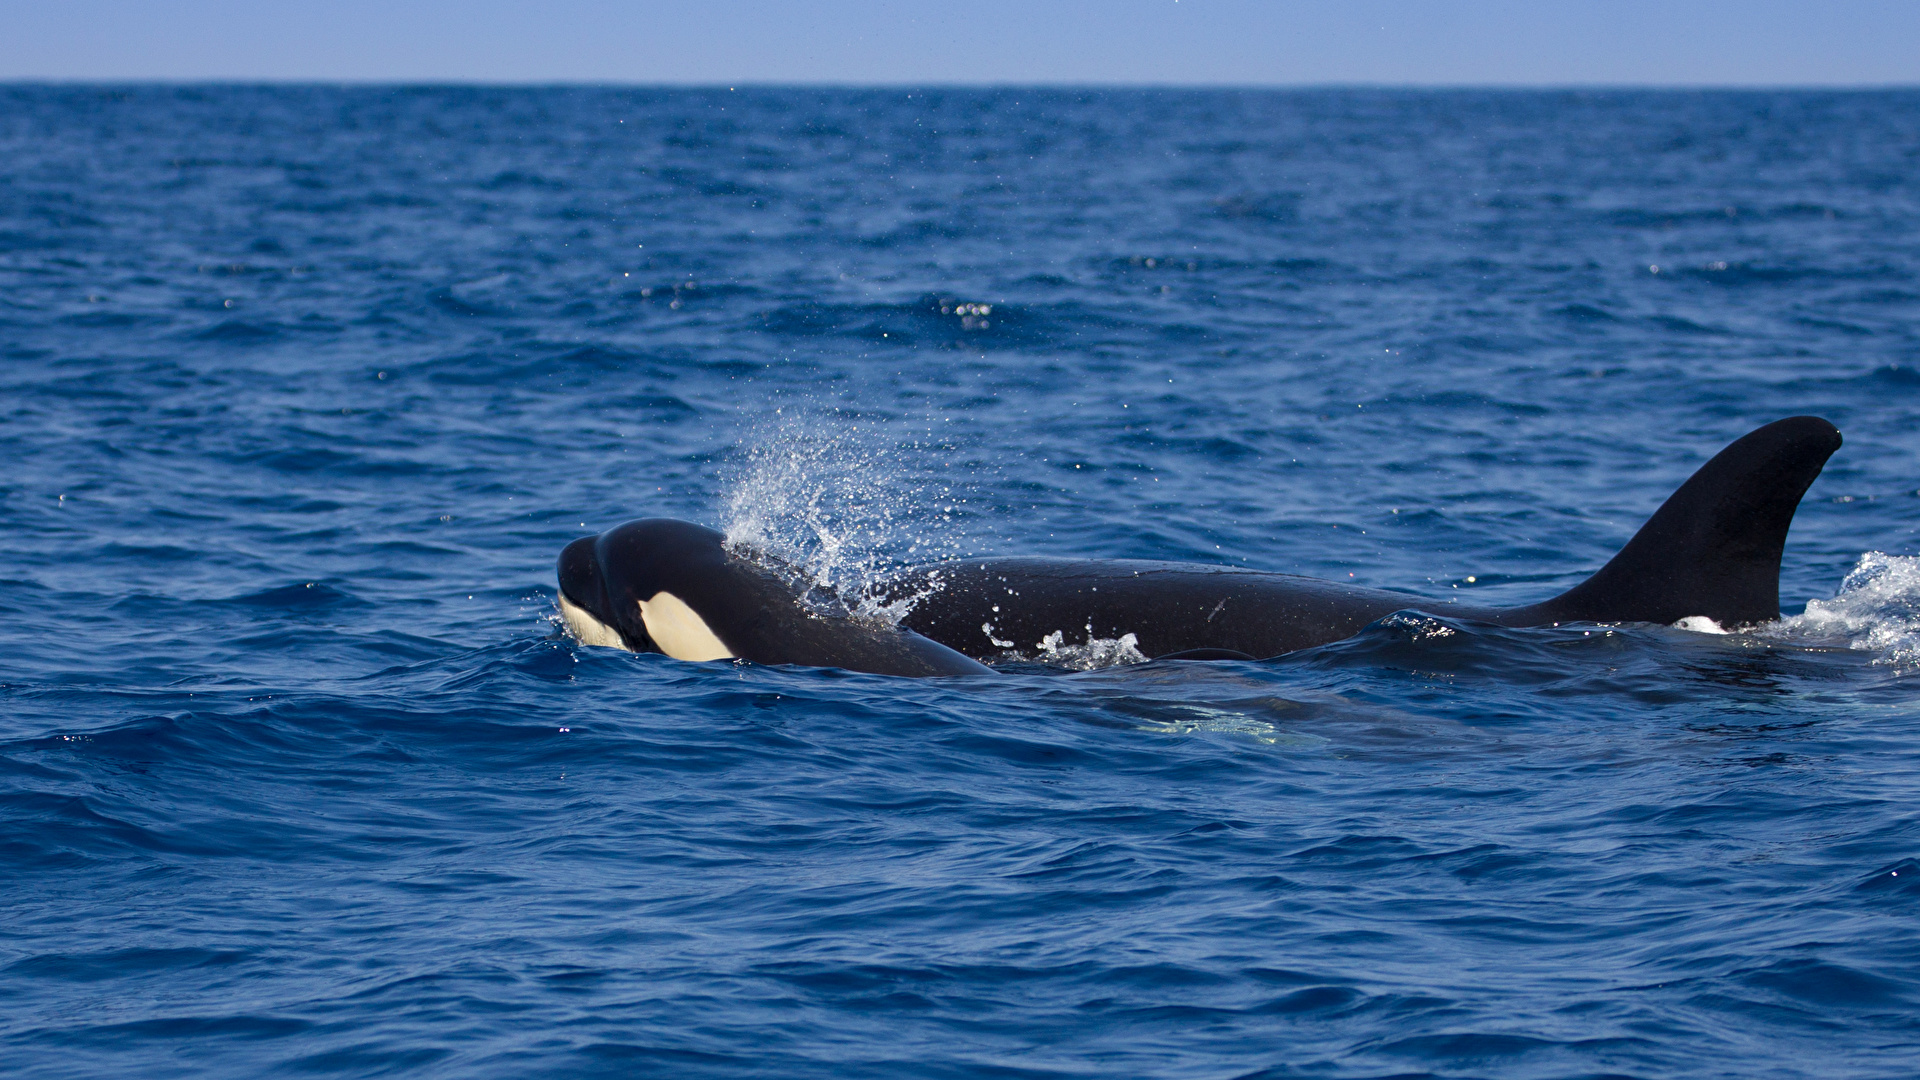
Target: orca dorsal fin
1713,548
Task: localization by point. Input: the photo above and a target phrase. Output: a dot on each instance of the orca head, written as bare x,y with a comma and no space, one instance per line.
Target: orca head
639,587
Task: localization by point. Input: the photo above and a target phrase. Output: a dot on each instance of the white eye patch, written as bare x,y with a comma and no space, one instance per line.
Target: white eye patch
679,630
588,630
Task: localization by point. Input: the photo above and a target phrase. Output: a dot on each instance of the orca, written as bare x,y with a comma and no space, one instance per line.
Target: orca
1711,551
663,586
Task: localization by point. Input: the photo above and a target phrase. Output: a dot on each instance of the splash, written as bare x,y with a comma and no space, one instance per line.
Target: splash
837,503
1096,653
1877,608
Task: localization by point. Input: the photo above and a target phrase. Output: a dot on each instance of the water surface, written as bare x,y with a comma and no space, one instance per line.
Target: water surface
305,388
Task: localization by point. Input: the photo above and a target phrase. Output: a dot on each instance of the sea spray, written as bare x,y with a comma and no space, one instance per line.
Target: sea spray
1877,608
836,501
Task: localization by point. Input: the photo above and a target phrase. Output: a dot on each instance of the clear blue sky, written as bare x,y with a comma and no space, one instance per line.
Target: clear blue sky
1193,42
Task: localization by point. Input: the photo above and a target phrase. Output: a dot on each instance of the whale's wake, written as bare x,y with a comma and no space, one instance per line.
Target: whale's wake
1877,608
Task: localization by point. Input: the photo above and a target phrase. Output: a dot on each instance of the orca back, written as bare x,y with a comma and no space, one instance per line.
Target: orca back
1712,549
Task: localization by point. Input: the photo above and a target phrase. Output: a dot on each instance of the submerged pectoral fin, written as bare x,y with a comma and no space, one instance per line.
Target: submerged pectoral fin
1713,548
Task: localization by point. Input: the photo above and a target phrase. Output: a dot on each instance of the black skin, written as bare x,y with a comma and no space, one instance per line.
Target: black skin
1712,549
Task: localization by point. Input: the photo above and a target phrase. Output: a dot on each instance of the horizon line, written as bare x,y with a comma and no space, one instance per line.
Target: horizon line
826,84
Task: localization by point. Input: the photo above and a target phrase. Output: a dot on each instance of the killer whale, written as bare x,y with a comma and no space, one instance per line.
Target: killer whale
665,586
1711,550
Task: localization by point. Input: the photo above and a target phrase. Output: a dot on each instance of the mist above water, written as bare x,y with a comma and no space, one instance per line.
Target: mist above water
841,501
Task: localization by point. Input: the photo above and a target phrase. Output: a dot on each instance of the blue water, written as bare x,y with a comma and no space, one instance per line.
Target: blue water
305,388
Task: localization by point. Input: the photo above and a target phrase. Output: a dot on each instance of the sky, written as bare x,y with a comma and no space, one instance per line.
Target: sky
977,42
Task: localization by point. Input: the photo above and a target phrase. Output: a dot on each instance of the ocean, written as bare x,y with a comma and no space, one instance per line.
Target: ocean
304,389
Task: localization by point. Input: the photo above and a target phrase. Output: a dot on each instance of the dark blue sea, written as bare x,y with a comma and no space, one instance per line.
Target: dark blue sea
304,389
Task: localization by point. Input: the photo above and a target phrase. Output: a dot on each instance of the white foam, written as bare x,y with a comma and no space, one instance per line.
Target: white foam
1096,653
1700,624
1877,608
